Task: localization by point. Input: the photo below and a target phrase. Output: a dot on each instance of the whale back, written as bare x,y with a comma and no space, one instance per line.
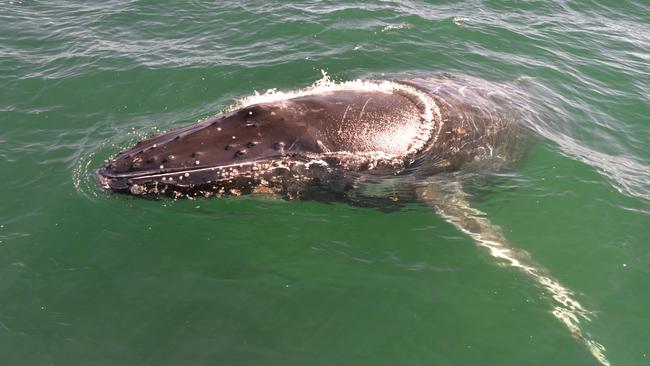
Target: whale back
481,126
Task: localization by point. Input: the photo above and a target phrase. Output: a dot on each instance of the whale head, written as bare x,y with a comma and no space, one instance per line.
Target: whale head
235,152
276,146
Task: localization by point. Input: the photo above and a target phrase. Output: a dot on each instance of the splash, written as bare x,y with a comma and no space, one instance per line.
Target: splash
81,174
391,27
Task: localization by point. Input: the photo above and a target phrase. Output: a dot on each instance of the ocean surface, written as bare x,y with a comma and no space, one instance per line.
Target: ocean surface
93,278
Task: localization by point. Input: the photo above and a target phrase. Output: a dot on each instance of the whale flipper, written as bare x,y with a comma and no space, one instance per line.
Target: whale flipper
445,195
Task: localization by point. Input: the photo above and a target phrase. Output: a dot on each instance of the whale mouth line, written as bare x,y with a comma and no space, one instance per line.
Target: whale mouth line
152,174
312,159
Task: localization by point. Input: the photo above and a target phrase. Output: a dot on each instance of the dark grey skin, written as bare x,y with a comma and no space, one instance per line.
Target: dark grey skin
329,141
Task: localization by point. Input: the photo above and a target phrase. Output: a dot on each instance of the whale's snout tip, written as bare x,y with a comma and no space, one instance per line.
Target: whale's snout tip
108,181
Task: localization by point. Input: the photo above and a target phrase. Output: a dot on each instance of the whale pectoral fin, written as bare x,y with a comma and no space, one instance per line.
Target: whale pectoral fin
446,196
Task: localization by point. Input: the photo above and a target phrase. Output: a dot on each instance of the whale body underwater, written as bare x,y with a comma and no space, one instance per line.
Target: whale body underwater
330,138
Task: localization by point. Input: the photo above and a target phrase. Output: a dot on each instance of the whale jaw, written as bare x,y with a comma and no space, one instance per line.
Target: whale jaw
286,176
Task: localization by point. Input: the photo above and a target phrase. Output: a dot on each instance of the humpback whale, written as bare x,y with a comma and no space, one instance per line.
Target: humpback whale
333,138
347,139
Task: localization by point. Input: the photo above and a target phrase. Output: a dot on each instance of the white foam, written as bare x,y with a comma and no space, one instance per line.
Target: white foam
390,27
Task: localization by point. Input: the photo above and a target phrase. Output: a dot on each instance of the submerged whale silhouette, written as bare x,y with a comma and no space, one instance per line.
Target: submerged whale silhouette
331,138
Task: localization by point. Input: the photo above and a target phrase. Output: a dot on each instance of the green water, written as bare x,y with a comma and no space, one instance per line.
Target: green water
90,278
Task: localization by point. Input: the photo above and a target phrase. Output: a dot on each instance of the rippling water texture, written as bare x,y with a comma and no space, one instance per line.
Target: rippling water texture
88,277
